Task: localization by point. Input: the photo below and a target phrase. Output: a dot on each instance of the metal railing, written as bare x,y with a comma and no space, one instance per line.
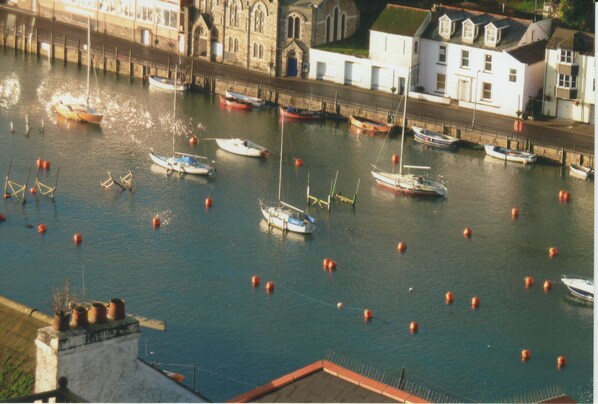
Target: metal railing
60,395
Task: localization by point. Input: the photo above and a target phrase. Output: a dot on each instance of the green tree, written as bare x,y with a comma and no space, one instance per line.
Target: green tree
577,14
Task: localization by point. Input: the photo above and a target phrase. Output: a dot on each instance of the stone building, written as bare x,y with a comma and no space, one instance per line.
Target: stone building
268,35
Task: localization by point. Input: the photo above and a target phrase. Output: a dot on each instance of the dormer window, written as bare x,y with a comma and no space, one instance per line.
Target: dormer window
469,31
446,27
492,35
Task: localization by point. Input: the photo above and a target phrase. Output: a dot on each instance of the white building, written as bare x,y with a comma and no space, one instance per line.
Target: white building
570,76
483,61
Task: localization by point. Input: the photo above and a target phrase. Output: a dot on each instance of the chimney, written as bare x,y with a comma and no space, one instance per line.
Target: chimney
94,357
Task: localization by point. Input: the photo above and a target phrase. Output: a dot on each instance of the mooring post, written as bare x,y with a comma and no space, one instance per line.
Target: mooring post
168,75
55,184
192,75
64,51
104,58
130,63
116,66
79,53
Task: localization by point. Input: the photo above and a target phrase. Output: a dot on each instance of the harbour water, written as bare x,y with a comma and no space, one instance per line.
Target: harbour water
194,271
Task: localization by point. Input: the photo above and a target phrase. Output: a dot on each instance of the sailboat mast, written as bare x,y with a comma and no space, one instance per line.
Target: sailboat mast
405,93
88,58
280,163
174,110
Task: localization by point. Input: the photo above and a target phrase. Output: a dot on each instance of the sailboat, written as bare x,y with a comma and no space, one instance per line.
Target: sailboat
408,183
78,109
182,162
281,214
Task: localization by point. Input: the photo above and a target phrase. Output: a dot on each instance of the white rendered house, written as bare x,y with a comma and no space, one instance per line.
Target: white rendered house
570,76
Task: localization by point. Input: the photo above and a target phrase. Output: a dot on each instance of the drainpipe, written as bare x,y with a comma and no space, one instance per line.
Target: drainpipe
248,35
546,64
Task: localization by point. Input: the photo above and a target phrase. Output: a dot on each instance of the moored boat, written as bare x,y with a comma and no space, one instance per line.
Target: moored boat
164,83
371,125
579,287
235,103
256,102
184,163
579,171
243,147
300,113
432,138
510,155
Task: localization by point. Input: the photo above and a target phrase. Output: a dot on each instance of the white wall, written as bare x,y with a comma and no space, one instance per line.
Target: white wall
392,49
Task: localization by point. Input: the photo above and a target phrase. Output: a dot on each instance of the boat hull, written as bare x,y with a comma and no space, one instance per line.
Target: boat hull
301,114
256,102
174,164
369,125
409,184
579,171
242,147
434,138
515,156
78,112
164,83
580,287
285,219
234,103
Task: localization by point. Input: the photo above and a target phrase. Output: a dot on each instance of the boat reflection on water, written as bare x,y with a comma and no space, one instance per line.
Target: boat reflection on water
78,126
276,234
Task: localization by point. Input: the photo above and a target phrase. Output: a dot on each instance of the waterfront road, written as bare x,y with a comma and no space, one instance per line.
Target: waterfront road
555,132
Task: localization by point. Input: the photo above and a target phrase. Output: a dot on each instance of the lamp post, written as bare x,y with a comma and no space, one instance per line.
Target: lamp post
270,65
475,97
156,42
392,97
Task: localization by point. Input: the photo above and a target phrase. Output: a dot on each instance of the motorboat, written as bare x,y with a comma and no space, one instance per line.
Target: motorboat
506,154
243,147
370,125
300,113
432,138
254,101
579,171
579,287
235,103
164,83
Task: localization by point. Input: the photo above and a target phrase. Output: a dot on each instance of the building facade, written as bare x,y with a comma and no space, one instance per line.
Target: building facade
570,76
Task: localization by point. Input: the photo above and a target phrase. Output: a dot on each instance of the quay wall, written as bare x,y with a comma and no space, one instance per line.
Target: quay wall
111,60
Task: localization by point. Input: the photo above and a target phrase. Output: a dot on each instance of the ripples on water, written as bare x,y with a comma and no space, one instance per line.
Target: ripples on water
194,271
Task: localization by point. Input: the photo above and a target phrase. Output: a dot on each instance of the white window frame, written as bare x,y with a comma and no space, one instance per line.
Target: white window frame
442,54
468,30
566,81
444,28
491,35
513,75
465,59
486,91
488,62
566,57
438,81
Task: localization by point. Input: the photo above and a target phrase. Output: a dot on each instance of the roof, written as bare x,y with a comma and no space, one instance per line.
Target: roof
18,331
324,381
530,53
570,39
510,37
400,20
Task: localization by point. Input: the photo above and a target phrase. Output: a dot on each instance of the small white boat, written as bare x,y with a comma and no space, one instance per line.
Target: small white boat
509,155
579,171
184,163
164,83
580,287
256,102
409,183
243,147
434,138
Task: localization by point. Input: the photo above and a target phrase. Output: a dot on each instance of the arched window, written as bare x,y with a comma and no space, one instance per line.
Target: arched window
297,33
230,44
261,56
236,45
343,21
290,27
327,29
335,24
258,19
255,50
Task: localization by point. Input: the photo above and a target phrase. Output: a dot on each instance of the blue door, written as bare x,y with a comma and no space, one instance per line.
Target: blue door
292,67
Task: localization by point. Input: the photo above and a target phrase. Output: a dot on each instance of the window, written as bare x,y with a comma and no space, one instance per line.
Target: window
468,30
486,91
335,24
440,82
261,51
415,47
442,54
513,75
327,29
567,81
465,59
297,33
488,63
490,34
343,23
258,19
255,50
445,27
293,27
236,45
566,56
230,44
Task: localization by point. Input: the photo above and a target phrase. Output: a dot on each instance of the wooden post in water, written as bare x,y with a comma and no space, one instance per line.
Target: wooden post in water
104,58
36,43
192,83
116,65
79,53
168,74
130,63
64,52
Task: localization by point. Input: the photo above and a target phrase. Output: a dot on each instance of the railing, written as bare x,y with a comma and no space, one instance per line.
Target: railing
60,395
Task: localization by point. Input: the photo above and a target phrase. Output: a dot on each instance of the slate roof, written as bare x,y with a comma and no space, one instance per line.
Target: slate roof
515,28
569,39
325,382
530,53
18,331
399,20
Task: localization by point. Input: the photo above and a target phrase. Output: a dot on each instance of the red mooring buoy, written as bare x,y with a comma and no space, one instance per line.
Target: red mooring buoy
298,162
475,302
561,361
514,213
547,285
209,202
449,297
41,228
525,355
270,286
368,314
401,247
467,232
255,280
413,327
156,222
529,281
553,252
77,239
193,140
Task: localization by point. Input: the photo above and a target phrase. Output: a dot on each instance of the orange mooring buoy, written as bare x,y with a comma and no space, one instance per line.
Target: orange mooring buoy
41,228
269,286
553,252
6,195
325,263
193,140
331,265
368,314
45,164
339,305
77,238
449,297
475,302
529,281
514,213
32,191
156,222
395,159
209,202
525,355
561,361
401,247
39,163
413,327
255,280
547,285
298,162
566,197
467,232
2,217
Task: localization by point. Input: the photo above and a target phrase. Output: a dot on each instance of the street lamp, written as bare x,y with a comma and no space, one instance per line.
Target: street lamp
475,97
270,65
392,97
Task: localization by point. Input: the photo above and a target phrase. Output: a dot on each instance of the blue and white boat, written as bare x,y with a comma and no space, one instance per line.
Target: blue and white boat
580,287
434,138
509,155
184,163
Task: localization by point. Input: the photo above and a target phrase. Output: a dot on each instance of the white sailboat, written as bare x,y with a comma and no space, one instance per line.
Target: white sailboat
408,183
183,162
78,109
281,214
